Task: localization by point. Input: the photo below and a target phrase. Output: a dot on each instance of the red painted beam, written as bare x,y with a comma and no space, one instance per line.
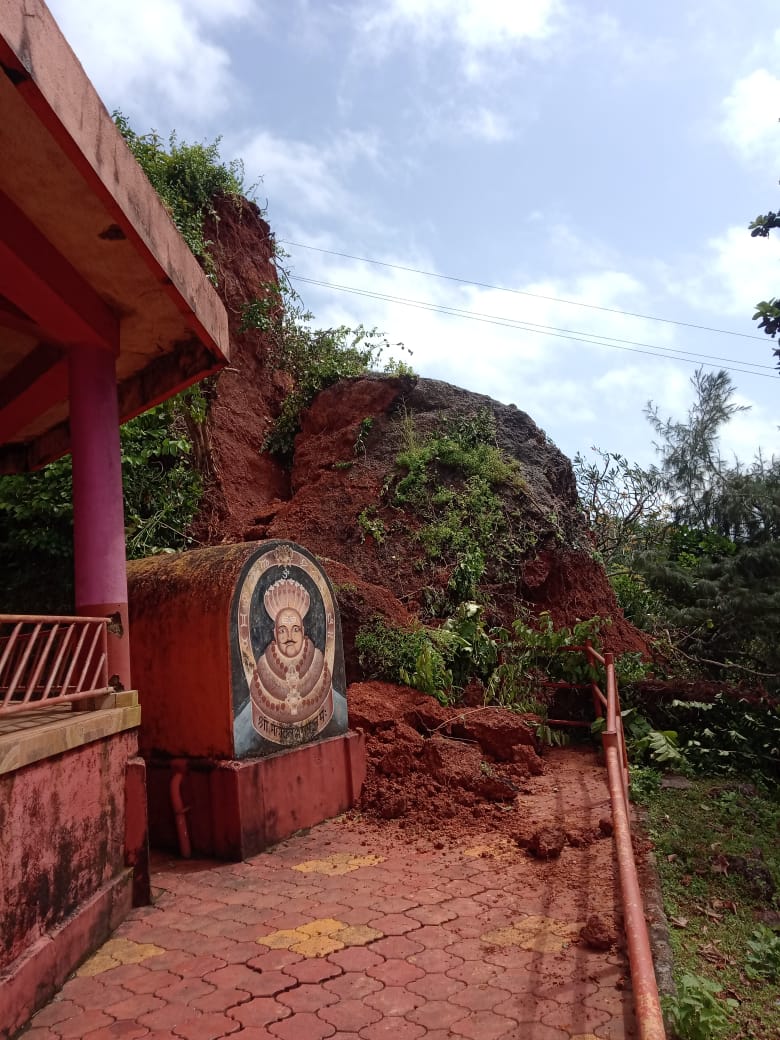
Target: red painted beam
30,389
37,278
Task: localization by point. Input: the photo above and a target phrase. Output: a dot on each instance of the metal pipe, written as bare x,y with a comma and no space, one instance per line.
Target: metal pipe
646,1001
180,810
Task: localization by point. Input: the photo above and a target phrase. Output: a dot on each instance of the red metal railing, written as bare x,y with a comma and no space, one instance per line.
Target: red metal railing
646,1001
47,660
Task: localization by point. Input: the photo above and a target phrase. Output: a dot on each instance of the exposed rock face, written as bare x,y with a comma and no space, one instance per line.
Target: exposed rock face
246,396
344,468
333,482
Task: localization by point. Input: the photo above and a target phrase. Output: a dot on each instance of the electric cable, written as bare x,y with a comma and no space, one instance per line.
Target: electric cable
522,292
613,342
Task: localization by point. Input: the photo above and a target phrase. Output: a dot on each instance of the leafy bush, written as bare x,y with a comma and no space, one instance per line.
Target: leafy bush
763,959
450,480
187,177
437,661
696,1012
725,735
534,656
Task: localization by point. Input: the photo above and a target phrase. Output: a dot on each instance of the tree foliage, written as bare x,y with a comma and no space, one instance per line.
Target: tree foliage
623,505
692,545
187,177
768,311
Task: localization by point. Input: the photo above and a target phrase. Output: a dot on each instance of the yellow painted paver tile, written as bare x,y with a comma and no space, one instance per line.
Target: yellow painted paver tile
535,933
323,926
317,946
281,940
118,951
338,863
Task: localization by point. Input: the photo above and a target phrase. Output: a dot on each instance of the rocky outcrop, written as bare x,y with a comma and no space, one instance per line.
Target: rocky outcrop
337,498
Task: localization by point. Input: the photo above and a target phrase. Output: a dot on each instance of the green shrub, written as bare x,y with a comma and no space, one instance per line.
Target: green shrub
187,177
696,1012
763,960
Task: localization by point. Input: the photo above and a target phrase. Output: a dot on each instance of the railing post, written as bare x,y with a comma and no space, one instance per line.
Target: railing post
593,684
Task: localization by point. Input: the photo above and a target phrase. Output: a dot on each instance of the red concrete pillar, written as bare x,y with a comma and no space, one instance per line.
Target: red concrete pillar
98,510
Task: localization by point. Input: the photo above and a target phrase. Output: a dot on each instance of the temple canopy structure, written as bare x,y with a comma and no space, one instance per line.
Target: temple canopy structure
104,312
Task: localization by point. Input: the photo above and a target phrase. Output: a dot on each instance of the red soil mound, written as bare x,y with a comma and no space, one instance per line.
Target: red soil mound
440,769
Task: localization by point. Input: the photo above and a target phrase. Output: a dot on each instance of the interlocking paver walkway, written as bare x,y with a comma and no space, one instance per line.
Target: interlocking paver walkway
354,930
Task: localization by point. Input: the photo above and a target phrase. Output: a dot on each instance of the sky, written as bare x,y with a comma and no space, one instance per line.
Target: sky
509,168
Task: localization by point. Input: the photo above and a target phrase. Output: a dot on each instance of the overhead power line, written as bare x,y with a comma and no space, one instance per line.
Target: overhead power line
613,342
522,292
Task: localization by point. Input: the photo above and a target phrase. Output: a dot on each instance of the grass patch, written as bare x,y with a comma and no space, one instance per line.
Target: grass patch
719,862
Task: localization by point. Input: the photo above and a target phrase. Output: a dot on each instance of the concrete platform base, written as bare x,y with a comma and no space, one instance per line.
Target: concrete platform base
35,976
237,808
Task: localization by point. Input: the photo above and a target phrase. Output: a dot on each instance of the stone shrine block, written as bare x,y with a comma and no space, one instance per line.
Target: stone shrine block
238,659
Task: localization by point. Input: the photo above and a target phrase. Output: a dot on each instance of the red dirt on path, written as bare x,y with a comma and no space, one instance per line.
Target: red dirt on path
450,771
354,930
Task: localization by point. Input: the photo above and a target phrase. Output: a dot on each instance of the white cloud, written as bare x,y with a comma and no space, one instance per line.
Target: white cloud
750,116
144,55
485,124
303,177
477,27
732,274
580,393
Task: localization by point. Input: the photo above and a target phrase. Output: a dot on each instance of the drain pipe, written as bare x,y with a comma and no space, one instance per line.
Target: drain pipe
179,767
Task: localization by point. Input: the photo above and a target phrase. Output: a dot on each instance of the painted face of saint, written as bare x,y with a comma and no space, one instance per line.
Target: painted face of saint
288,632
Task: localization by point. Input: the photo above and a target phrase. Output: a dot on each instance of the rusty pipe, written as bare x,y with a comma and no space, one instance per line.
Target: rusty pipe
646,1002
180,809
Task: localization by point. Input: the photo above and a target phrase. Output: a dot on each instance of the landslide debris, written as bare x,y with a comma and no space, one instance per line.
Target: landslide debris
440,769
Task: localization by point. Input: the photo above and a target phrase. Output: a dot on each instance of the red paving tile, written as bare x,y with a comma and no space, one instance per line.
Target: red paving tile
484,1025
315,969
307,998
303,1026
350,1015
221,999
430,973
170,1016
356,958
395,972
436,986
208,1027
133,1006
82,1024
260,1011
394,1000
352,986
392,1029
118,1031
437,1014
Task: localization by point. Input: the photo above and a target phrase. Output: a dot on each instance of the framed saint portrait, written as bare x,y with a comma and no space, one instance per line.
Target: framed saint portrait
288,668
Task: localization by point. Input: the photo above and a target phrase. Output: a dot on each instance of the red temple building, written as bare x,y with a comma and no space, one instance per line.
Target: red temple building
104,312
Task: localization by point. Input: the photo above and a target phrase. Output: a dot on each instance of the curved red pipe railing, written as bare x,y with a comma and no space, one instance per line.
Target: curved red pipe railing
647,1004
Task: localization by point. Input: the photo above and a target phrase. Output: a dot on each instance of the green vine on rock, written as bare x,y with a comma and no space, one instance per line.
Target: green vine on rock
187,177
313,358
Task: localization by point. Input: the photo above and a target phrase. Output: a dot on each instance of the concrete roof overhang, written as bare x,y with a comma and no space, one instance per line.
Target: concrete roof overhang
88,253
